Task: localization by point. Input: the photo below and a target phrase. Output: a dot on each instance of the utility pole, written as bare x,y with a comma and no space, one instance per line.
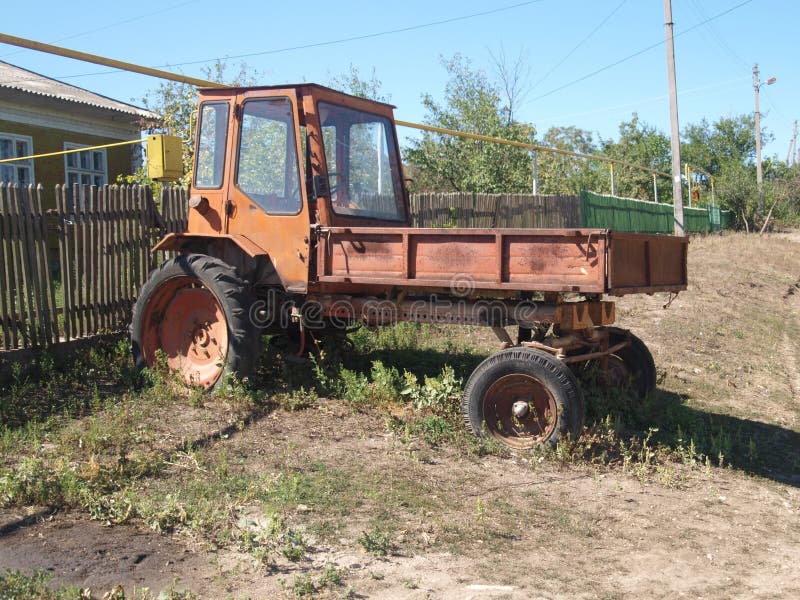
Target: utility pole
792,147
759,169
675,133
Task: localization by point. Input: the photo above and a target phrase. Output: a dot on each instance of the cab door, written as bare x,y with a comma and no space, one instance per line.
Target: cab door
267,200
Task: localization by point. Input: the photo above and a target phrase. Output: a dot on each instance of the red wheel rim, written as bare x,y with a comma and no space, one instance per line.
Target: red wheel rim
520,391
187,323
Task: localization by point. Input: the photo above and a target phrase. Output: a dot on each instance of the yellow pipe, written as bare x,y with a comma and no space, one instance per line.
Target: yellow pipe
126,66
72,151
526,145
107,62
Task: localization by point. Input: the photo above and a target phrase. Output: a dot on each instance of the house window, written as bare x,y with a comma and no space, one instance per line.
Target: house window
11,146
87,167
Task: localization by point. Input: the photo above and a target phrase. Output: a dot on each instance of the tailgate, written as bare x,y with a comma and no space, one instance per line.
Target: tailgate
646,263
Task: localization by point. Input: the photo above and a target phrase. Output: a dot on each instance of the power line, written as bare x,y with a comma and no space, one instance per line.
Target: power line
719,39
640,52
579,44
338,41
688,94
111,25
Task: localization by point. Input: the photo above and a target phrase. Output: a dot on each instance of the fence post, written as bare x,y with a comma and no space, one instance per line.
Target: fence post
713,193
655,187
613,183
689,183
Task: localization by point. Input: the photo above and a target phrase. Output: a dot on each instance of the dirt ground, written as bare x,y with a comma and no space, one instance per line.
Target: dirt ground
519,526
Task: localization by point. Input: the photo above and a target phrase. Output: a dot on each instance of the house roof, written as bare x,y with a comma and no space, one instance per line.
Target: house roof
17,78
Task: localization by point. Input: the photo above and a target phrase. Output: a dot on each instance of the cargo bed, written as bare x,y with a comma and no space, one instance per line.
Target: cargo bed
588,261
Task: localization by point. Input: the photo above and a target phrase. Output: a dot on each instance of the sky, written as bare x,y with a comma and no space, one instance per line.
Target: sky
591,63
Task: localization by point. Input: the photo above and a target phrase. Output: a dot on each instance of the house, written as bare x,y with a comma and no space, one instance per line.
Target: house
39,115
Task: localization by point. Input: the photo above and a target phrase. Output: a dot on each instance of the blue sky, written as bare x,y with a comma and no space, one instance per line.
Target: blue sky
562,41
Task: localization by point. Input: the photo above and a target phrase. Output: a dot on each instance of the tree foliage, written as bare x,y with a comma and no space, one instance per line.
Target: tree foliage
644,145
354,83
562,174
472,103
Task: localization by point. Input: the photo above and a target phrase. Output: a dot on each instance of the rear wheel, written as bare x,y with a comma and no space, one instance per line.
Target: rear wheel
523,398
195,309
633,364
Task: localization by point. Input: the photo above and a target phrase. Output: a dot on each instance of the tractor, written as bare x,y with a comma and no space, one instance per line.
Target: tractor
299,221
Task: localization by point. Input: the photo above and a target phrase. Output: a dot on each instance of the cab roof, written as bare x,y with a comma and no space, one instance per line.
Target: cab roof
298,87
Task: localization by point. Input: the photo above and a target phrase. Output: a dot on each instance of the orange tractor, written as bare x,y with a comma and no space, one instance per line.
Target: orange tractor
299,220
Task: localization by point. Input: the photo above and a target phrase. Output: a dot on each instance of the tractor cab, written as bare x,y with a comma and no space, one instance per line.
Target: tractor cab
271,163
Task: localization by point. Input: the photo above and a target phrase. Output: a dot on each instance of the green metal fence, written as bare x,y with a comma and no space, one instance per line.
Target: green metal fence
626,214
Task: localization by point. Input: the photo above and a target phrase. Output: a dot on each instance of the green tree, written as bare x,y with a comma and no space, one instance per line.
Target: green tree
354,83
736,190
640,144
729,139
561,174
726,149
472,104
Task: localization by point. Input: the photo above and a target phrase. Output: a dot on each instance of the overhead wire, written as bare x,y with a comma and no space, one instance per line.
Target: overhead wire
578,45
337,41
639,53
700,11
111,25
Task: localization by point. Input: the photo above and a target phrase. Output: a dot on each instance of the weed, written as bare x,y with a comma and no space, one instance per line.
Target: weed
435,430
409,583
375,541
437,394
299,399
386,382
266,538
303,586
109,509
14,584
331,577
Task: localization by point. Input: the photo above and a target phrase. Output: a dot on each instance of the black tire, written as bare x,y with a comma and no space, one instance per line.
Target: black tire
528,376
637,359
218,282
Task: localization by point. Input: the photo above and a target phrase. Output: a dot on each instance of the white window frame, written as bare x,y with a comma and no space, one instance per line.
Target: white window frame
14,166
85,175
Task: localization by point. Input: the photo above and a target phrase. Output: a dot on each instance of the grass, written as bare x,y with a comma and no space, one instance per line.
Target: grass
15,585
89,433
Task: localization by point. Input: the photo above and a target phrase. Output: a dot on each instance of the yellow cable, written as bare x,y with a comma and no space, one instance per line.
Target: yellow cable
73,151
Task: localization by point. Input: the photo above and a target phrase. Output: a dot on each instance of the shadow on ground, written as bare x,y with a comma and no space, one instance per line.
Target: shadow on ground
758,448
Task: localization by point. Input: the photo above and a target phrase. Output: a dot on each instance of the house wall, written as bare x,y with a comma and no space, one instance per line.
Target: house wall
50,171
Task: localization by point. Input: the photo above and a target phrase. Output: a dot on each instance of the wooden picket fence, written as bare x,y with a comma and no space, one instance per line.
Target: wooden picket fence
74,271
464,209
84,284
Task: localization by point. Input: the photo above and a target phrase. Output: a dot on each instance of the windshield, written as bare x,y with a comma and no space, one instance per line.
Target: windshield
363,166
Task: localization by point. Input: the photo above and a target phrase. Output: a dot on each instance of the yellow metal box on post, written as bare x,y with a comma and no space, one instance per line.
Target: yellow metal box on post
164,157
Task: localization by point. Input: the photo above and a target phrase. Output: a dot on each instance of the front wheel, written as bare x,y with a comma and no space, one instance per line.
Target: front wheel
523,398
195,310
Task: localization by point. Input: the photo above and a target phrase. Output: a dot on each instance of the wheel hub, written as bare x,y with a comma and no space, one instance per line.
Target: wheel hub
200,335
520,408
